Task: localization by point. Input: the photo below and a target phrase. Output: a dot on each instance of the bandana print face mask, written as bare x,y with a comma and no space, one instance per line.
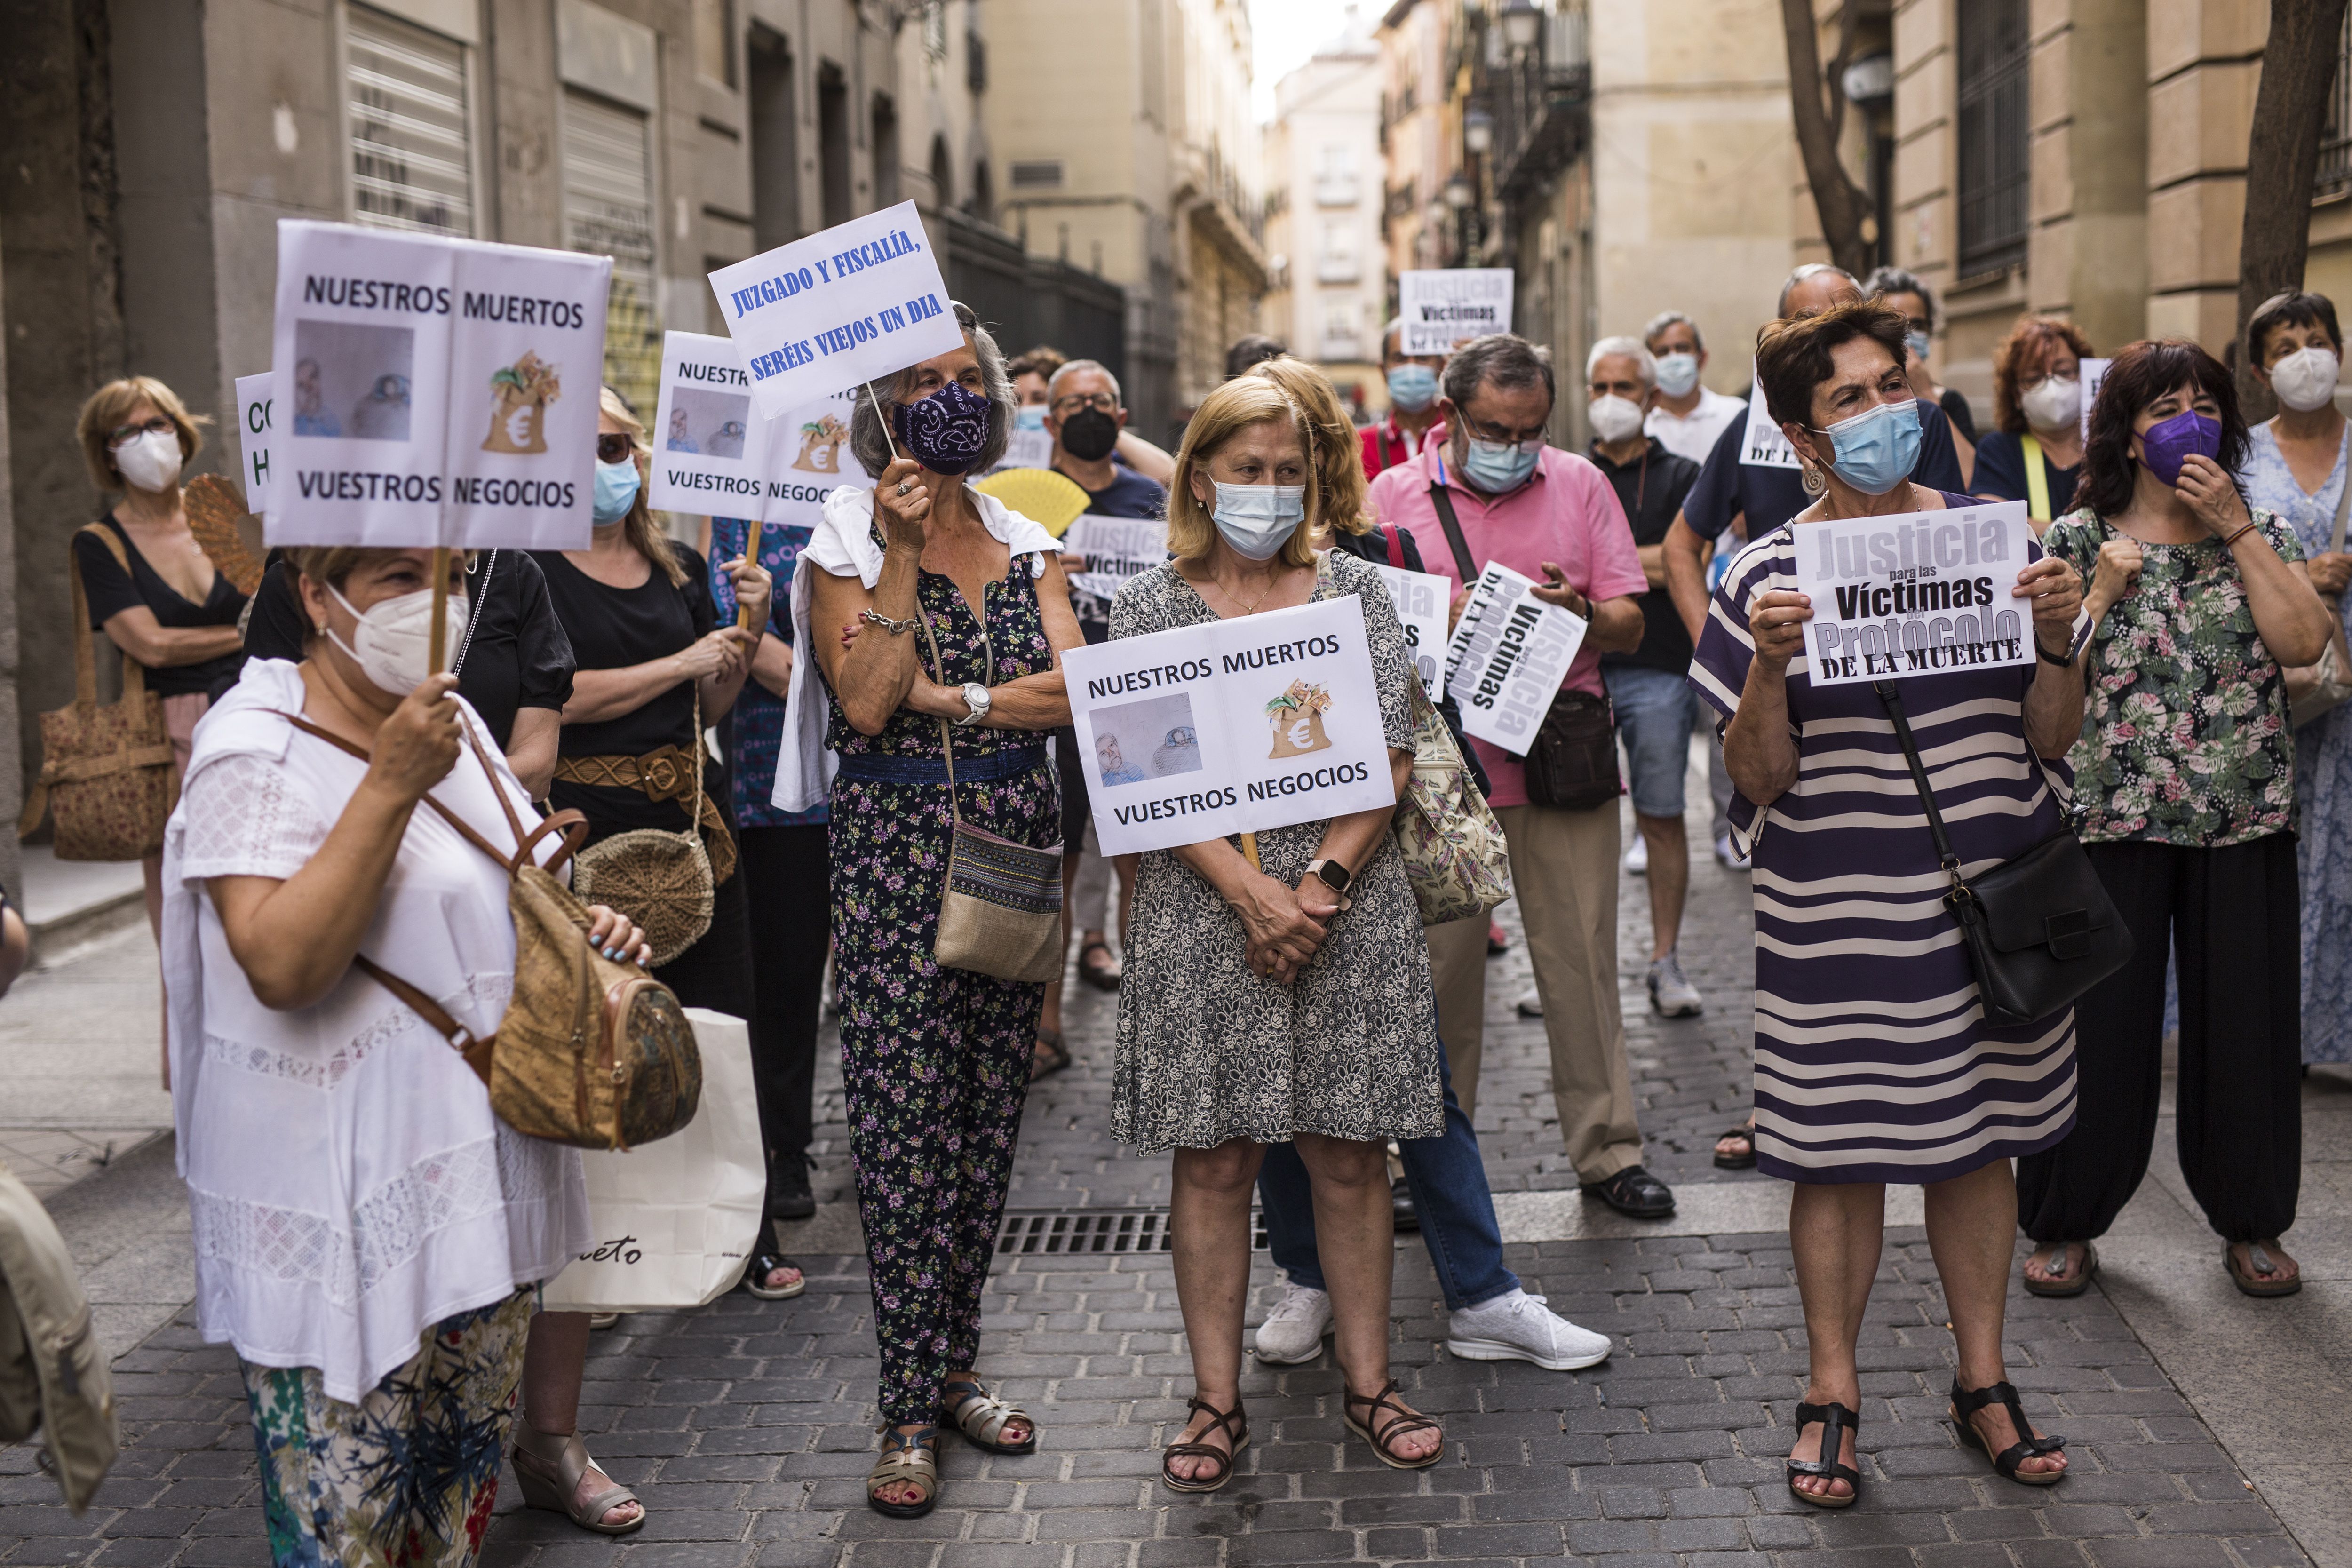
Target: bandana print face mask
947,431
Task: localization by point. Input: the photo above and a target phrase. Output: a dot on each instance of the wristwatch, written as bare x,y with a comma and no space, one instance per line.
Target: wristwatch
975,698
1331,874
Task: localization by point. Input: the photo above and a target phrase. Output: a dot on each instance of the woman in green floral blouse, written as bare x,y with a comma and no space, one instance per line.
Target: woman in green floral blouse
2185,776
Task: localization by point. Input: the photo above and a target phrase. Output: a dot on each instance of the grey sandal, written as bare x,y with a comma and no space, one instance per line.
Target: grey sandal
982,1419
908,1457
550,1469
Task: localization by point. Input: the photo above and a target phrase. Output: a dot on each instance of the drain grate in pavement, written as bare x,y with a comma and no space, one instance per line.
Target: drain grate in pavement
1103,1231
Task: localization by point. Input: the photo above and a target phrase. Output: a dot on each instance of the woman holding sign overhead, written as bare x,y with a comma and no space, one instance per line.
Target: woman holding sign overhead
939,618
1874,1060
1277,987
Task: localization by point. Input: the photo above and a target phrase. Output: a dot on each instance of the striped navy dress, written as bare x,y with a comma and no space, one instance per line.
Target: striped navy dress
1872,1059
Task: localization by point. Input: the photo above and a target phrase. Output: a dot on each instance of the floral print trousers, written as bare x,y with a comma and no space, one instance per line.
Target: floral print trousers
934,1067
405,1478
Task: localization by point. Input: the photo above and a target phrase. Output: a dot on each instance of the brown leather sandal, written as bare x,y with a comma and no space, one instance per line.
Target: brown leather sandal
2261,1276
1406,1422
1237,1433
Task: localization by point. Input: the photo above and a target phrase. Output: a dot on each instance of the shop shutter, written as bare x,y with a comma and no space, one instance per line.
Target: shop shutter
608,210
412,155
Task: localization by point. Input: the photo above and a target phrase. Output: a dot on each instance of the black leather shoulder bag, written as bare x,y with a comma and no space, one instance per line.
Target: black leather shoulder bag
2041,929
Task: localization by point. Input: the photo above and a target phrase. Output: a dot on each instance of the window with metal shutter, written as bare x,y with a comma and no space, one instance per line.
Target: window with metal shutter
412,148
608,210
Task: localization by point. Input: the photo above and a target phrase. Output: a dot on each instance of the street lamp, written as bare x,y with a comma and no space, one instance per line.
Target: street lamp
1522,24
1458,193
1477,131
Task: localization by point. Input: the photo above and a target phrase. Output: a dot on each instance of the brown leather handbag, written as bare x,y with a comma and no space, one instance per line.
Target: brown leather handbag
106,773
592,1051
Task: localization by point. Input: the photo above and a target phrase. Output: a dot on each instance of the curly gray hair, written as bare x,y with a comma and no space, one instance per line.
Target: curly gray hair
871,443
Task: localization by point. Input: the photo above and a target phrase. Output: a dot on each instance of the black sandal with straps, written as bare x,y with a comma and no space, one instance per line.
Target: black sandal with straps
1237,1433
1836,1421
1405,1422
1966,1404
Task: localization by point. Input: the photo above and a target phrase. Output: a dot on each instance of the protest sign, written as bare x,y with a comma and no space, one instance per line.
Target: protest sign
252,419
709,445
2094,372
837,308
1116,549
1233,727
1029,449
435,392
1765,447
1508,658
1442,307
1917,593
1421,599
808,458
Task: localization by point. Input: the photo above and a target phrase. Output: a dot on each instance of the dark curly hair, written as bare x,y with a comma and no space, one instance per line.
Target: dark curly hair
2137,377
1795,356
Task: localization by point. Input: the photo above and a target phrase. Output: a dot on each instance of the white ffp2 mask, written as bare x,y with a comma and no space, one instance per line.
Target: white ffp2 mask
395,639
2053,402
150,460
1615,418
2305,379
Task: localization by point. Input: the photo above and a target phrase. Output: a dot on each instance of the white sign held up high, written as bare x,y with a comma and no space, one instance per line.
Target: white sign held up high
708,442
254,406
1233,727
1508,658
842,307
1444,305
1923,592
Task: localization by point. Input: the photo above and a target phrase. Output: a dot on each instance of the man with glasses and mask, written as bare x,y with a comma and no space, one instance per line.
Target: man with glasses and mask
1492,491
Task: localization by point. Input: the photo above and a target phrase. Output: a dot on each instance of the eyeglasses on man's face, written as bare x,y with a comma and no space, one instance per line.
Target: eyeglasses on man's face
123,435
1102,401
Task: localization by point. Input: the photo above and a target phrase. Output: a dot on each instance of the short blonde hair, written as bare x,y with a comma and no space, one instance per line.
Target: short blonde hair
111,405
1234,406
1338,453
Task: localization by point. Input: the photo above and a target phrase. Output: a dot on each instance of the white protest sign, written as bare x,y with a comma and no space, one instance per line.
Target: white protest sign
253,420
422,386
1116,549
1029,449
1921,593
709,445
1442,307
1508,658
1765,447
837,308
2094,372
1256,723
1421,599
808,458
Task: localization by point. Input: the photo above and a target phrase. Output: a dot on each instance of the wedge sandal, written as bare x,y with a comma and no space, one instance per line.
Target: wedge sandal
982,1420
1383,1438
551,1467
909,1458
1836,1421
1237,1431
1967,1403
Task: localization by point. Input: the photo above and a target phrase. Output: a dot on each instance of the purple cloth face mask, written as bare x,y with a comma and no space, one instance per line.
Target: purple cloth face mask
2165,443
947,431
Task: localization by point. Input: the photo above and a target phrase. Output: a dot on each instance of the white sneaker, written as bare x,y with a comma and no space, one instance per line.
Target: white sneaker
1724,856
1520,1327
1294,1331
1532,1005
1671,993
1637,857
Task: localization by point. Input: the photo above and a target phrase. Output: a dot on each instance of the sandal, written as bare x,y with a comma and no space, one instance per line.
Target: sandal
2059,1281
766,1259
550,1469
1967,1403
2263,1276
980,1418
1405,1422
1052,1055
908,1457
1745,1133
1104,977
1836,1421
1237,1433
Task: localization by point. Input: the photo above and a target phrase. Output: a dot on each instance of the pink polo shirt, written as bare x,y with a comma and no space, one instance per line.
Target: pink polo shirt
1568,513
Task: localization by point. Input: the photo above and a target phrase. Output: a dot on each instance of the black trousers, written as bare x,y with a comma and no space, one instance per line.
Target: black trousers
2233,918
789,870
716,971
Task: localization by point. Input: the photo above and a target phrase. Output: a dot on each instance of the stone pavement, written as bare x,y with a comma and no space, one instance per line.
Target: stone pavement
746,1426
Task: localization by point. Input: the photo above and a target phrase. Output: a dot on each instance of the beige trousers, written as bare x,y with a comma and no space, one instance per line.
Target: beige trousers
1564,867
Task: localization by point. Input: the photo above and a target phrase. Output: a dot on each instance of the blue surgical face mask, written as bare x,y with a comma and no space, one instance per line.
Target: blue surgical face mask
1677,374
616,491
1497,466
1029,417
1413,387
1877,448
1918,343
1257,520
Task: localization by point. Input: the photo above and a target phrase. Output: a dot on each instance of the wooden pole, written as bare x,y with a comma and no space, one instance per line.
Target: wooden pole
437,649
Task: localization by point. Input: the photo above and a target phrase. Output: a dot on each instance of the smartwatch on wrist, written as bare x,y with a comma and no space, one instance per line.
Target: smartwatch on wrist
1331,874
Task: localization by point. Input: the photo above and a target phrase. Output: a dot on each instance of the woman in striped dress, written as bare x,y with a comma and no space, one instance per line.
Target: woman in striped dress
1873,1061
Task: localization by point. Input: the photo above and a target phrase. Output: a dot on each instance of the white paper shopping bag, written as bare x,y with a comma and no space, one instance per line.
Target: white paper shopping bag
675,1222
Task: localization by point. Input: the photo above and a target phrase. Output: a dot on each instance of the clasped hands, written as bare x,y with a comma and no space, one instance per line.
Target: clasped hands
1285,925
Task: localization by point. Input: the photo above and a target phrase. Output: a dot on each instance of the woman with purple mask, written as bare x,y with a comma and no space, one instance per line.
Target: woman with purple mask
2186,776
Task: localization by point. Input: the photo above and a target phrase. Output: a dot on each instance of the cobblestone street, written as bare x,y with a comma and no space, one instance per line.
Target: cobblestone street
2200,1427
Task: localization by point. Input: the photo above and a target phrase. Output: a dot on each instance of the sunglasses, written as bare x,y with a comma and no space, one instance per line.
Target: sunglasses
612,449
122,435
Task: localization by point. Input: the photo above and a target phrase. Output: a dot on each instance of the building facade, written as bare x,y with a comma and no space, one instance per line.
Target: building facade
1324,200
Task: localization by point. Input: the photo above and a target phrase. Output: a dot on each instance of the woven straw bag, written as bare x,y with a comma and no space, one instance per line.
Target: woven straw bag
591,1051
106,773
1454,854
660,879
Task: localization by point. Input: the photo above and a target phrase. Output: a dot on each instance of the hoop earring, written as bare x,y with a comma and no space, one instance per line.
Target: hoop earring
1814,481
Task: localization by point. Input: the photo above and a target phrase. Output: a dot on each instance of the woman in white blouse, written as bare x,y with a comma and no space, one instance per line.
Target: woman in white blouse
367,1232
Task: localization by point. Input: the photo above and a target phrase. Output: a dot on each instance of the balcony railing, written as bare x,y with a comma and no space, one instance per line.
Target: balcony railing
1540,99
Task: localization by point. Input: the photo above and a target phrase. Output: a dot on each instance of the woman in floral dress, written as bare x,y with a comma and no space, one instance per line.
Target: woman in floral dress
2186,771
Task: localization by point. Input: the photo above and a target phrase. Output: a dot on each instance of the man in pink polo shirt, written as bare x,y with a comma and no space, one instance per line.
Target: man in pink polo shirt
1553,516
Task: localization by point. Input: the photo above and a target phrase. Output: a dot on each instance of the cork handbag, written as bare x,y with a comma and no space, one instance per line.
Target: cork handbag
106,772
662,881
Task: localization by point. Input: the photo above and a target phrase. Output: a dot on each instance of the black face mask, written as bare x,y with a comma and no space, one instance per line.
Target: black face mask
1089,434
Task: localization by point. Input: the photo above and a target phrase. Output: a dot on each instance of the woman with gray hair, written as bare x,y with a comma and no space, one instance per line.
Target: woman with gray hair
944,616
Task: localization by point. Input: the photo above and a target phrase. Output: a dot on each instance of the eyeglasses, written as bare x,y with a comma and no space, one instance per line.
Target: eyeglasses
1481,431
612,449
1101,401
123,435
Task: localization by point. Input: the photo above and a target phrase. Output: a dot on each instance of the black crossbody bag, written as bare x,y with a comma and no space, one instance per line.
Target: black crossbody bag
2039,928
1571,763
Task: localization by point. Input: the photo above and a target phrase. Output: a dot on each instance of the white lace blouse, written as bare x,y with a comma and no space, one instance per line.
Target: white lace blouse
349,1184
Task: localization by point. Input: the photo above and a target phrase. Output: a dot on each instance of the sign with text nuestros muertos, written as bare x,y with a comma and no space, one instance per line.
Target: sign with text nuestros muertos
1421,600
1444,305
845,305
1255,722
433,391
1923,592
254,404
1508,654
715,455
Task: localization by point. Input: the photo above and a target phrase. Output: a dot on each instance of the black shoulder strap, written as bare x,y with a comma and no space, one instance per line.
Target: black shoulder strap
1887,695
1453,525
